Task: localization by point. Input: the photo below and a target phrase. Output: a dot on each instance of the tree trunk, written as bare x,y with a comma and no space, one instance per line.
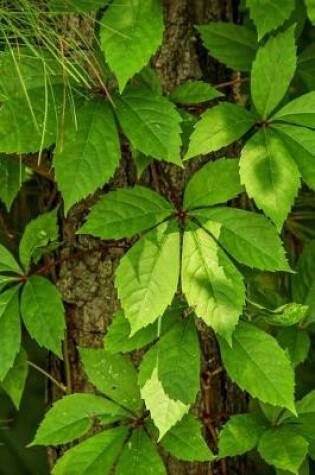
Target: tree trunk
86,276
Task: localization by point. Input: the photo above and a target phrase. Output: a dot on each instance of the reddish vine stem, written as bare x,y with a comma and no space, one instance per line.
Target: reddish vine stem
231,83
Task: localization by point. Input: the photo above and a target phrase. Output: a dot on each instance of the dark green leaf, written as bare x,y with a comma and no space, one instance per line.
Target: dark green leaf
157,133
303,282
113,375
140,456
89,152
185,441
194,92
43,313
248,237
300,111
72,416
125,212
10,332
12,175
296,341
233,45
7,262
269,15
14,382
94,456
257,364
131,35
216,182
218,127
272,72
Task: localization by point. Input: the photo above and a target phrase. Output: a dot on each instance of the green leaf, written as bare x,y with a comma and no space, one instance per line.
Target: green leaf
7,262
10,332
249,237
14,382
117,338
287,314
184,441
227,123
37,235
272,72
300,143
30,123
194,92
270,175
177,357
140,456
306,66
268,14
303,282
72,416
259,365
233,45
283,448
12,175
43,313
306,405
94,456
145,281
131,35
310,5
210,282
296,341
125,212
89,152
240,435
23,69
165,412
158,123
216,182
300,111
113,375
67,6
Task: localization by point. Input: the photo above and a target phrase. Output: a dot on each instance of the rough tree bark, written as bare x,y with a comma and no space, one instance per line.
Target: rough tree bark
86,278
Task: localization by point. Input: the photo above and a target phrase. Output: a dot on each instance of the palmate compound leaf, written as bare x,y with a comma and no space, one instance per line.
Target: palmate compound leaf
249,237
151,123
165,412
140,456
194,92
283,448
177,359
30,123
113,375
10,331
233,45
145,281
269,174
215,183
130,35
38,233
185,441
43,313
125,212
89,152
8,262
14,381
300,142
94,456
211,283
12,176
240,435
268,14
300,111
72,416
272,71
218,127
258,365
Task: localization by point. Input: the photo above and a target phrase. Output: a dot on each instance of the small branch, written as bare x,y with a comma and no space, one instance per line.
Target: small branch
231,83
61,386
31,162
